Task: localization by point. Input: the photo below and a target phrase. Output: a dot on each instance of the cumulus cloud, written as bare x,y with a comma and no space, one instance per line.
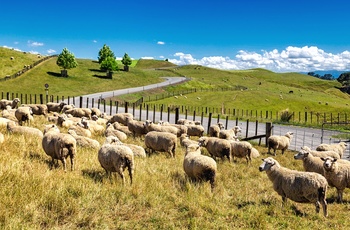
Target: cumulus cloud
33,52
149,58
291,59
160,43
51,51
35,44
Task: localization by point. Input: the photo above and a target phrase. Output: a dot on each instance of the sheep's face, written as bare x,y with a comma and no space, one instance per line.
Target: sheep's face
202,141
301,155
192,148
328,163
267,164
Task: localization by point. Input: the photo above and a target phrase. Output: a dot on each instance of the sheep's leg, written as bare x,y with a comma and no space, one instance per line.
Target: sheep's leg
284,200
72,162
121,173
64,164
322,200
340,196
317,205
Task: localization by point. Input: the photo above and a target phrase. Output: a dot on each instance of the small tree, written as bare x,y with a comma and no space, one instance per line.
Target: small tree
109,65
66,60
126,62
105,52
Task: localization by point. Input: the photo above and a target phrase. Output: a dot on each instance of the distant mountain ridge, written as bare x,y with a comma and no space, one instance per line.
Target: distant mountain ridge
335,73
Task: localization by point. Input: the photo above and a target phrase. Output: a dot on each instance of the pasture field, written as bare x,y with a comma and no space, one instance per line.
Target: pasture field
33,196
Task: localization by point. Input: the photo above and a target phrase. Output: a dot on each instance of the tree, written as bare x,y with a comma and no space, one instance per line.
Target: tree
105,52
109,64
344,78
66,60
126,62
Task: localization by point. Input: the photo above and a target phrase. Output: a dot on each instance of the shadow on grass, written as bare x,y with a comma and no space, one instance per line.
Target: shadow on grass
54,74
298,212
97,70
179,180
96,176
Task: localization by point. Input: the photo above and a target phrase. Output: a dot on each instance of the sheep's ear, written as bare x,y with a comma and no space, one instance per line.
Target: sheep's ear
334,160
322,158
263,159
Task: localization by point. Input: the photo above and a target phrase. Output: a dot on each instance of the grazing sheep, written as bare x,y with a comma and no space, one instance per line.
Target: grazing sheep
199,167
316,153
85,142
241,149
137,128
13,103
279,142
53,117
150,126
55,107
4,121
79,112
92,126
99,120
161,141
337,175
230,134
195,130
37,109
116,158
184,122
181,129
9,115
214,130
110,131
96,111
185,141
254,153
122,128
59,146
80,130
13,128
310,162
216,147
63,121
121,118
24,114
338,147
67,107
138,151
302,187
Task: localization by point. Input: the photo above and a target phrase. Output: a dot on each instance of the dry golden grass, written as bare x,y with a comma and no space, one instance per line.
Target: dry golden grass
32,196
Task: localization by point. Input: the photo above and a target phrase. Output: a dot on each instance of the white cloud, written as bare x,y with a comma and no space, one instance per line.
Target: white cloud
33,52
94,41
150,58
35,44
51,51
291,59
160,43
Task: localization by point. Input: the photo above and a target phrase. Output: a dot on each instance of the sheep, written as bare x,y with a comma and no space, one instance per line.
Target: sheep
13,128
338,147
137,128
137,150
121,118
279,142
195,130
80,130
337,174
181,129
216,147
302,187
215,129
316,153
116,158
184,122
84,141
230,134
67,107
199,167
24,114
53,117
79,112
96,111
161,141
55,107
59,145
150,126
185,141
122,128
241,149
110,131
13,103
254,153
99,120
37,109
9,115
63,121
310,162
4,121
92,126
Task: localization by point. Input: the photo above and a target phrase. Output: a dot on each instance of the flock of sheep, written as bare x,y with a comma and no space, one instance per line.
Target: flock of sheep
323,166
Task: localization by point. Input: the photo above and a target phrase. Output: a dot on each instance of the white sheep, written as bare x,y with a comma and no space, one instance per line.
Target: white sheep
185,141
4,121
241,149
80,130
79,112
199,167
137,128
116,158
122,128
138,151
337,174
230,134
99,120
55,107
338,147
59,145
67,107
2,138
111,131
150,126
316,153
195,130
181,129
214,130
13,103
254,153
161,141
37,109
24,114
85,142
12,127
216,147
302,187
310,162
279,142
121,118
96,111
92,126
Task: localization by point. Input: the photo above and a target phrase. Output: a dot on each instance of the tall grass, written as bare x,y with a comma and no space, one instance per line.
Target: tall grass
161,197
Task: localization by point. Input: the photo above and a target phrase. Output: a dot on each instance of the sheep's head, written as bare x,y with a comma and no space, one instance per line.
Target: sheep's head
289,135
51,128
267,164
329,163
193,148
203,141
301,155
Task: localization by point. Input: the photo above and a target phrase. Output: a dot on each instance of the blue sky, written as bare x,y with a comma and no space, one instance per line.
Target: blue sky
281,36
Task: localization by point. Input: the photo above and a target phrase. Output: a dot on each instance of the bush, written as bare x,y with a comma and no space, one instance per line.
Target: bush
286,115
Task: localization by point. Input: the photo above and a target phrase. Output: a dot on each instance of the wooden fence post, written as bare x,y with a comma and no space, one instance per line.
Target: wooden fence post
176,114
81,102
268,130
209,122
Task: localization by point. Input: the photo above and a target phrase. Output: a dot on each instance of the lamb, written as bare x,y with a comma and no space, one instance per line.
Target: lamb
116,158
338,147
24,114
279,142
79,112
59,145
215,129
230,134
199,167
302,187
85,142
13,128
185,141
13,103
337,175
110,131
150,126
216,147
241,149
310,162
137,128
316,153
37,109
161,141
195,130
121,118
55,107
